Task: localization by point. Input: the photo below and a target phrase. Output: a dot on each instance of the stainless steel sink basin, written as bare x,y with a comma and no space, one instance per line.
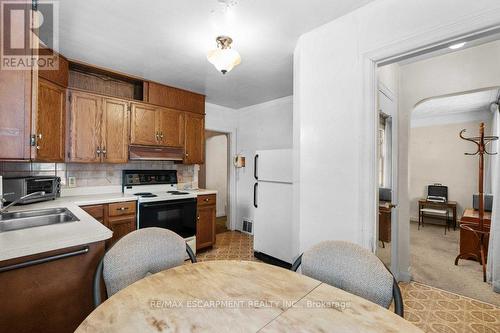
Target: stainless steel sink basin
35,218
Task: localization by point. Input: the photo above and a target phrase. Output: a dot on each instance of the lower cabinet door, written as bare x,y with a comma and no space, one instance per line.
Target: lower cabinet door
205,228
50,291
120,226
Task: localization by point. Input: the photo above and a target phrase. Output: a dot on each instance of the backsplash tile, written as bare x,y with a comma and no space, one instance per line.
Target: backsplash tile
98,174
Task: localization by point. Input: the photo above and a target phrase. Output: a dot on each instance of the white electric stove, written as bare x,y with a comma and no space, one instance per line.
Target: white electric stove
161,204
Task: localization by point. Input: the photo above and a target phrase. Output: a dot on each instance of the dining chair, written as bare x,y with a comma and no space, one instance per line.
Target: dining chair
136,255
354,269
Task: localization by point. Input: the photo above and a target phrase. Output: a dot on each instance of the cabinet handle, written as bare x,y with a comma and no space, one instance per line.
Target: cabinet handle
161,135
37,147
104,152
122,208
198,217
207,200
157,136
187,154
98,151
44,260
39,136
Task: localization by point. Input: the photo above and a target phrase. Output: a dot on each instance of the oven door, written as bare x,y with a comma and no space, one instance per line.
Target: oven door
176,215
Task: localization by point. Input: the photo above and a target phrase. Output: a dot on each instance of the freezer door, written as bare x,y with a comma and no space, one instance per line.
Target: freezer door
273,220
273,165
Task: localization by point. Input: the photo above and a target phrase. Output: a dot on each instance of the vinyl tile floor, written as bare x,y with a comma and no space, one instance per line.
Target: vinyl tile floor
431,309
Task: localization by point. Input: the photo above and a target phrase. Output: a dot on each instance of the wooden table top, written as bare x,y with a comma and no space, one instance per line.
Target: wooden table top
238,296
449,202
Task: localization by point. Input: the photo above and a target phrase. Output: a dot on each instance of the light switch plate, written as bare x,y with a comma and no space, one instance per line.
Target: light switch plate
71,181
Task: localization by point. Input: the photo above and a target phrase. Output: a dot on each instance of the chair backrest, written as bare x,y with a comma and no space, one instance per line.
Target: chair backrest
143,251
350,267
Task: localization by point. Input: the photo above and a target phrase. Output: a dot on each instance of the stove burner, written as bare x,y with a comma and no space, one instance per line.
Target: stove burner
146,194
177,192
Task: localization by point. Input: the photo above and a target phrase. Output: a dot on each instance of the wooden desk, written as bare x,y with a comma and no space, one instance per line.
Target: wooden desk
468,242
423,203
238,296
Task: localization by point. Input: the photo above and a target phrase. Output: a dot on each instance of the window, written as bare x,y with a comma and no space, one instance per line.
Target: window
381,152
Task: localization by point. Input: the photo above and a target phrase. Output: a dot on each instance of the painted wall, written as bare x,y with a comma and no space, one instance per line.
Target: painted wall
437,156
262,126
220,117
333,125
216,173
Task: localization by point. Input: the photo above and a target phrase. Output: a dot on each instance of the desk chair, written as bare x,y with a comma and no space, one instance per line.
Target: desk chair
433,212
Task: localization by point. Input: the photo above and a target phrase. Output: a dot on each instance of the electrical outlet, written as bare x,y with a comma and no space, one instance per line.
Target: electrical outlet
71,181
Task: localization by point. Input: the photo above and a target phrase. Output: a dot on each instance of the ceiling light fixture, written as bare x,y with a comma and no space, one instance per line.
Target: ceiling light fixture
224,58
457,46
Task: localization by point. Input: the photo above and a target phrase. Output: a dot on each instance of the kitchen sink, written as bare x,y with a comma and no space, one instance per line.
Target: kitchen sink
35,218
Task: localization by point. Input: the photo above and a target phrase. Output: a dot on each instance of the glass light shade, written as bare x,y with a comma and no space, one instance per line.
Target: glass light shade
224,59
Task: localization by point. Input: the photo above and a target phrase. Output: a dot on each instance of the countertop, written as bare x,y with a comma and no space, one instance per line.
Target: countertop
24,242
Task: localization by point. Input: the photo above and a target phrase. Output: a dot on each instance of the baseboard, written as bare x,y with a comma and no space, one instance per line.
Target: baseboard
404,276
496,286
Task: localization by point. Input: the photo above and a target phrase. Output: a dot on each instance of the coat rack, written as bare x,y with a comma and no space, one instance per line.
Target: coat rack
480,230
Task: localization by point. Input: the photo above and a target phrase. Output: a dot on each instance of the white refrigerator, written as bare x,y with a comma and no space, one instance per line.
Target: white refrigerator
273,225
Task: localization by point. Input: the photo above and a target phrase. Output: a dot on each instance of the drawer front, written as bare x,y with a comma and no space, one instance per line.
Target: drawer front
206,200
96,211
121,208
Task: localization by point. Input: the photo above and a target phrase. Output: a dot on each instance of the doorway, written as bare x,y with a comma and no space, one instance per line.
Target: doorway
432,108
214,175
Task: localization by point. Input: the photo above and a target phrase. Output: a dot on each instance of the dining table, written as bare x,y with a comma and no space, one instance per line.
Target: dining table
238,296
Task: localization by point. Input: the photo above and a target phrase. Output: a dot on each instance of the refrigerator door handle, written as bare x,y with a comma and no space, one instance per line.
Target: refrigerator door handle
255,167
255,194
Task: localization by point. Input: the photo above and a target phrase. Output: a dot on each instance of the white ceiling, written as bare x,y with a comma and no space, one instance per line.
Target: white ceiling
167,41
455,108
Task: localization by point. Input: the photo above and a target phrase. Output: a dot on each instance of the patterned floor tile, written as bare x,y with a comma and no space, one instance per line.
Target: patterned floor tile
431,309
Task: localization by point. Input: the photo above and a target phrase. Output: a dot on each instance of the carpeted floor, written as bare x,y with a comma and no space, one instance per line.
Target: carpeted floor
433,263
431,309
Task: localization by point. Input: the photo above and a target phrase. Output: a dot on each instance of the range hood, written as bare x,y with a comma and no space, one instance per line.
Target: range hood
149,153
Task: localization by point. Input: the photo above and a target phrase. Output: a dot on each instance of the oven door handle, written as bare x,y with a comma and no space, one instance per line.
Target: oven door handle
163,203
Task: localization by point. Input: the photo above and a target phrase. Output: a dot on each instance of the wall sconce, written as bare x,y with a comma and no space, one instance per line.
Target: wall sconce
239,161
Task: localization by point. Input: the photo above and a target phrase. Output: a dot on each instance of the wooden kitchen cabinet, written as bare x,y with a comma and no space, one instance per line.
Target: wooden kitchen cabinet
114,131
205,227
98,129
54,295
119,217
50,123
174,98
171,127
15,114
156,126
194,139
85,114
143,127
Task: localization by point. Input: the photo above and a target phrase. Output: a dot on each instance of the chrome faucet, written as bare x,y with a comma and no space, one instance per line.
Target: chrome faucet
4,209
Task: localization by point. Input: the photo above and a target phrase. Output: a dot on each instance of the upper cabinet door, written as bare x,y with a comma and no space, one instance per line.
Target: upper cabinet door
144,129
195,139
114,131
171,127
50,120
85,119
15,113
